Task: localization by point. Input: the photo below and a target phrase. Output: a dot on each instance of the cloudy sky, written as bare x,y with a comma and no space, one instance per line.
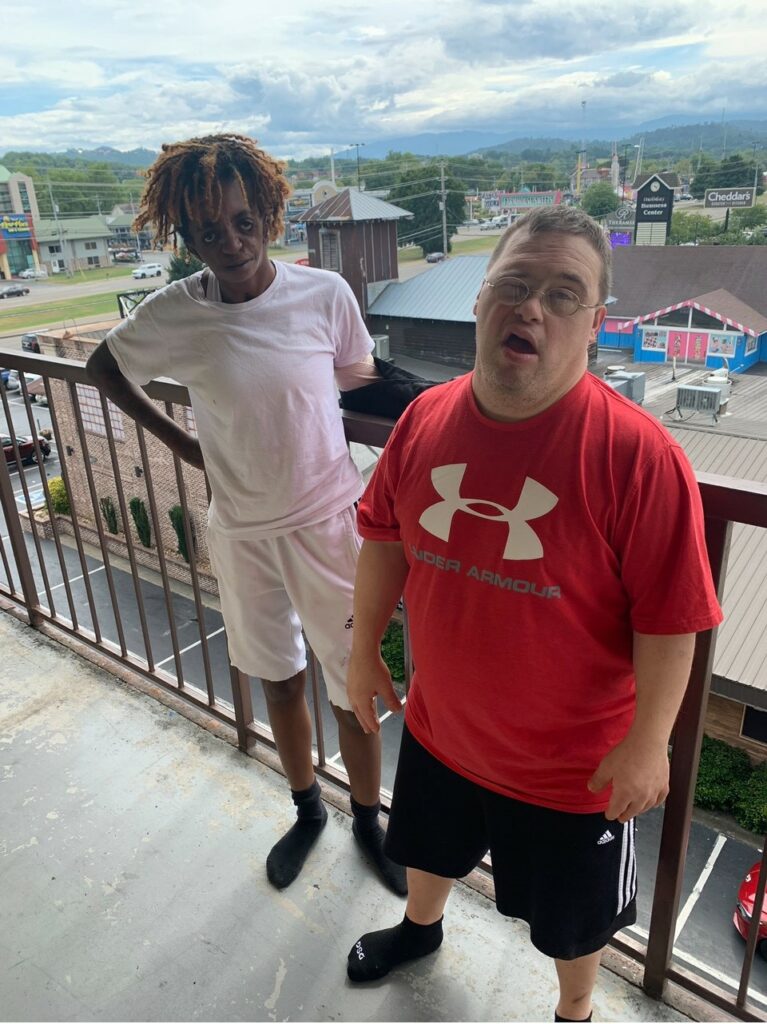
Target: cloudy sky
305,76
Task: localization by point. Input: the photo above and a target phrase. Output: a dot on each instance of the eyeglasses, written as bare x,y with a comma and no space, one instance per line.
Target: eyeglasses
510,291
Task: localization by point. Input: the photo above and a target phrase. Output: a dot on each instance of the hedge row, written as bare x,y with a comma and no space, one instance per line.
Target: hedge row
727,781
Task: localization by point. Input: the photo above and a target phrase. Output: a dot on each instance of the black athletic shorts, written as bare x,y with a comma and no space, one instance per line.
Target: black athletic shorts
572,877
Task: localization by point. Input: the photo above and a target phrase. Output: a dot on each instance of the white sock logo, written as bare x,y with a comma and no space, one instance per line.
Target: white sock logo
521,542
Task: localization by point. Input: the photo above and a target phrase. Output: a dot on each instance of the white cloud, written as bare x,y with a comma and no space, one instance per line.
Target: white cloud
316,76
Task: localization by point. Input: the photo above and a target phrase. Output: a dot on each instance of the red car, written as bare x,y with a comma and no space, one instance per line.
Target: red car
744,909
26,448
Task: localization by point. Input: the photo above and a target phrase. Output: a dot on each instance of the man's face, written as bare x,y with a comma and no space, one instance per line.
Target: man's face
234,246
528,358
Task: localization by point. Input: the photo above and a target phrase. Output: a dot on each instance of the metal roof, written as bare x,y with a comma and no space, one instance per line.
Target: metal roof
741,649
447,291
351,206
719,304
71,229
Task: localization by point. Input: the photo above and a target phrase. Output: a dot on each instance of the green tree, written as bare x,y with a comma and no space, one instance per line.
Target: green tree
691,227
182,264
418,190
753,217
599,199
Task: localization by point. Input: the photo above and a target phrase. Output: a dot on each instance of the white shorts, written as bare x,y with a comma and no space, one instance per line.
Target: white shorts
270,587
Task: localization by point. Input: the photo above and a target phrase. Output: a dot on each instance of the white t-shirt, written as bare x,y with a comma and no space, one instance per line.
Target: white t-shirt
260,379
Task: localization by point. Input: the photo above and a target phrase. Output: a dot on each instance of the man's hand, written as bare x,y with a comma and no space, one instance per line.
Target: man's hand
368,678
638,771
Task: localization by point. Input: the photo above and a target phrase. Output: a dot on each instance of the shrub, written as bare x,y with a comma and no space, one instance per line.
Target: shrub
177,518
393,651
141,519
109,512
751,802
59,497
722,773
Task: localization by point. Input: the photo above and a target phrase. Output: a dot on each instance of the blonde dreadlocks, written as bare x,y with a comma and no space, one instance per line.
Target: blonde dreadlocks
184,185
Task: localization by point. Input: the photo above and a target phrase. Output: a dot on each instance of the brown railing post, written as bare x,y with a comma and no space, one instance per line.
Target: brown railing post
243,709
677,816
19,548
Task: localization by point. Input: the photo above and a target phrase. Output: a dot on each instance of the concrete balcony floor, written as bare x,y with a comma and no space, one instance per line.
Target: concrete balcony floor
132,849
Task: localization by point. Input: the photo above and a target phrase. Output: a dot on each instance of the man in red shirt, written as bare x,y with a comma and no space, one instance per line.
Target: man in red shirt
548,537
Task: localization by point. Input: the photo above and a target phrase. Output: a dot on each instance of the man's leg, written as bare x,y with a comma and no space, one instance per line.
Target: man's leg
419,932
291,726
576,984
361,755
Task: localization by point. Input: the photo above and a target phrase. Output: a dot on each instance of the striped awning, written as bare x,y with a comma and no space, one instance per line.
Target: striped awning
695,305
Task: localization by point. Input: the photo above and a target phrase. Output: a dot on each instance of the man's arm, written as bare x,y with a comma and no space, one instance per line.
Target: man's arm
638,767
103,370
381,573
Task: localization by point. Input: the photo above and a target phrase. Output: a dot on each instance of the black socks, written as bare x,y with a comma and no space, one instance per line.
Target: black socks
370,837
376,953
286,858
582,1020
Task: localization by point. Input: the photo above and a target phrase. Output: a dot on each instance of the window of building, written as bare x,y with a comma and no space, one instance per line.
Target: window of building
24,196
330,251
754,725
93,261
93,416
90,245
54,248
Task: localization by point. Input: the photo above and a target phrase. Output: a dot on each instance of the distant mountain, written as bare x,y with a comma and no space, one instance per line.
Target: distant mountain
106,154
426,144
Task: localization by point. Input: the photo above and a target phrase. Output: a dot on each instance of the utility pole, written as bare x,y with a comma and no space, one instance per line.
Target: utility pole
582,151
135,233
357,147
59,232
756,174
443,206
332,168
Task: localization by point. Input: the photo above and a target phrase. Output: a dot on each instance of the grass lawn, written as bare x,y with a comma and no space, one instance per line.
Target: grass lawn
58,311
461,246
99,274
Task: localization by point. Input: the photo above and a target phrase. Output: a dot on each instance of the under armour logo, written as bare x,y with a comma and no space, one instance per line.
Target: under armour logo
521,542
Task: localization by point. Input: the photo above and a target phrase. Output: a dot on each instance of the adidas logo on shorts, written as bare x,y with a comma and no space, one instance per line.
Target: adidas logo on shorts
606,837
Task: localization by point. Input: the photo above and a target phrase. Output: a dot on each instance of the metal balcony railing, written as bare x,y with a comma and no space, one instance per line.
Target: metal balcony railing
40,541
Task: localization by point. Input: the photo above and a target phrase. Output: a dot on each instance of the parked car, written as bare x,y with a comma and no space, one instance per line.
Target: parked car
30,343
148,270
13,380
26,448
30,274
744,909
9,290
36,389
435,257
686,197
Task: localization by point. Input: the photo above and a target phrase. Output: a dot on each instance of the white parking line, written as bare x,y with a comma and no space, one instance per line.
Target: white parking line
704,968
697,889
74,579
183,650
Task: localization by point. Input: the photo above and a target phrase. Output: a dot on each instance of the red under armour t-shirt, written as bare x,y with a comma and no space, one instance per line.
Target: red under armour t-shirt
535,550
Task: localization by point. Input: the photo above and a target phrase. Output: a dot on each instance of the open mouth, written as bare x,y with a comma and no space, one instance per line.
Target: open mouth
520,345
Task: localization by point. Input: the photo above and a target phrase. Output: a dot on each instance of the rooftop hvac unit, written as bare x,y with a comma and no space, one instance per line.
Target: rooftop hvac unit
698,399
619,384
636,384
381,350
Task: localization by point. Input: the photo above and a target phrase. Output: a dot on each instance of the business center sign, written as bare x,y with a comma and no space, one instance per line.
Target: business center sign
732,198
655,203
